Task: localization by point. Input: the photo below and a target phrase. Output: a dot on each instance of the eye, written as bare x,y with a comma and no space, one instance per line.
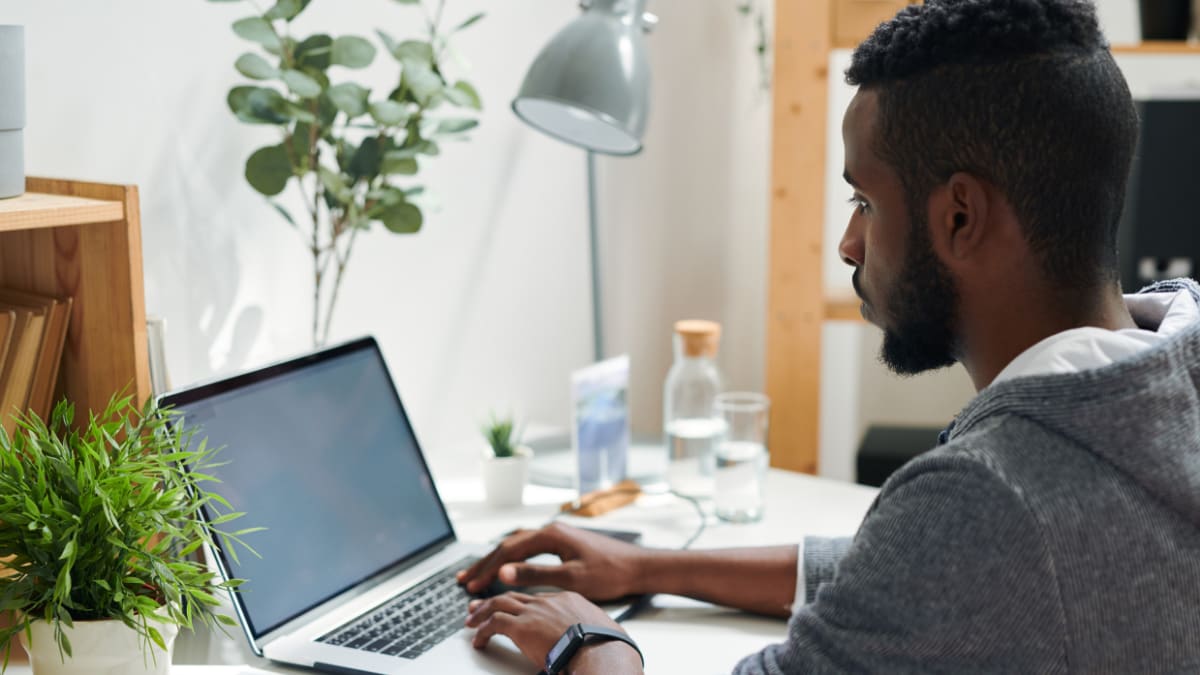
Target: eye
860,205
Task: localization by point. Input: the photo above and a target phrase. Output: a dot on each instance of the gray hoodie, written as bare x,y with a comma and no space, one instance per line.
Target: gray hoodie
1057,530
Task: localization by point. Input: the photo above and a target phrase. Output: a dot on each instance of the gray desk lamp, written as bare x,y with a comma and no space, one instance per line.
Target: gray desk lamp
590,87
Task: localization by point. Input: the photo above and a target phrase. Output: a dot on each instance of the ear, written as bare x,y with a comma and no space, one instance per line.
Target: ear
959,216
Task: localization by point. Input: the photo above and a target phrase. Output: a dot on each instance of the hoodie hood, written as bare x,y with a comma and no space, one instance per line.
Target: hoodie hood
1140,415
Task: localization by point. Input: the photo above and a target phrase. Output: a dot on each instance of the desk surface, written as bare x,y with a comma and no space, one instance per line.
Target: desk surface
797,505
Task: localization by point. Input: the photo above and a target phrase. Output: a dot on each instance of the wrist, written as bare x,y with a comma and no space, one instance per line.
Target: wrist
658,571
613,656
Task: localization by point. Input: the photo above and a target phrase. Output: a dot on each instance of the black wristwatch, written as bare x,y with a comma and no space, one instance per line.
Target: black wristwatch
577,636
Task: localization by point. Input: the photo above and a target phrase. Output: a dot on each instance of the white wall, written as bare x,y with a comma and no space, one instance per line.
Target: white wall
488,306
684,225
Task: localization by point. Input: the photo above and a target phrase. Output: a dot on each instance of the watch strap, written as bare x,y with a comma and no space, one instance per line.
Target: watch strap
582,634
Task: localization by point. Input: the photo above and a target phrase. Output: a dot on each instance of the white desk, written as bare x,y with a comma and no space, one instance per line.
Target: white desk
669,631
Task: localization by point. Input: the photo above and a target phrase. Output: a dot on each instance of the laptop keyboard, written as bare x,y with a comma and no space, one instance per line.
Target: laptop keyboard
411,623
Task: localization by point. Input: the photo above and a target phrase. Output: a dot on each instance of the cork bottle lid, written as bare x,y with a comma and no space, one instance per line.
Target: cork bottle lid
700,338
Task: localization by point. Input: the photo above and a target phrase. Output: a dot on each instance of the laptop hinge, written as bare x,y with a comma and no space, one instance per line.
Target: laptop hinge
331,668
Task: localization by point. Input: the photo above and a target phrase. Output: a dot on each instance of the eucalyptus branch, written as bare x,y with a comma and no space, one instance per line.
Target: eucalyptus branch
363,136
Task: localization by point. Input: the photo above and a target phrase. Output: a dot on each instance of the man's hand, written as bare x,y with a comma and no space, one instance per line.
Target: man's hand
536,622
596,566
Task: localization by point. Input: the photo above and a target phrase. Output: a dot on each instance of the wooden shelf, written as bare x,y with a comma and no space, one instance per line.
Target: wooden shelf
1163,47
83,240
34,210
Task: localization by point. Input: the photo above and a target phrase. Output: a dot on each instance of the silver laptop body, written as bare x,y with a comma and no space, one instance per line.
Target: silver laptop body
321,453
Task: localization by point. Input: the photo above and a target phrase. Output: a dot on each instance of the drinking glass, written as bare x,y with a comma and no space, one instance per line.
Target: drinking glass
741,456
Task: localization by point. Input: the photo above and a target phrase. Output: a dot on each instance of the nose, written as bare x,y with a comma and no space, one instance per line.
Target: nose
851,248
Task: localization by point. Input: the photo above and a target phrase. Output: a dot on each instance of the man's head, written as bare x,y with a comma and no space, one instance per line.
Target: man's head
971,111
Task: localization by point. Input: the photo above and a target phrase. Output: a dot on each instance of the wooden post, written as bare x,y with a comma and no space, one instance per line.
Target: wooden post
795,302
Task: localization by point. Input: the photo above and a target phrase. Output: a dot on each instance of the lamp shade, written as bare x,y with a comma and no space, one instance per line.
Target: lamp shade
590,86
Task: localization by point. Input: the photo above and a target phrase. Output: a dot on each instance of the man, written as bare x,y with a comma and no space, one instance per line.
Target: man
1056,528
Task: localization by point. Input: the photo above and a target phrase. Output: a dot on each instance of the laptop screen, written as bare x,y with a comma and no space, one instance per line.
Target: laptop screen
321,453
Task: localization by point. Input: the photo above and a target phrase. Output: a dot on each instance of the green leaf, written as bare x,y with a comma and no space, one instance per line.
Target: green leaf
352,52
301,85
257,29
389,43
225,518
258,105
157,637
456,125
299,141
68,550
299,112
402,218
468,23
268,170
255,67
326,112
464,95
286,9
350,98
335,184
416,51
429,148
420,79
389,113
397,163
314,52
366,160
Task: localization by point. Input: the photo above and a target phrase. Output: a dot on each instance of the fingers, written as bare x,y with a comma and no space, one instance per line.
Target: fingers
496,623
518,546
509,603
527,574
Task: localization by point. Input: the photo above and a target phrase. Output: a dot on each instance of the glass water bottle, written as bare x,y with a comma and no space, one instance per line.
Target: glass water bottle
691,427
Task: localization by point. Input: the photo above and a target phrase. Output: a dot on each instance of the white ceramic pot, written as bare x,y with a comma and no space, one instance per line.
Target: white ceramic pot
504,477
12,111
106,647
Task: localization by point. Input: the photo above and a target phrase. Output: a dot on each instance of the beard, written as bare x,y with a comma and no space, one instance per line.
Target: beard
922,308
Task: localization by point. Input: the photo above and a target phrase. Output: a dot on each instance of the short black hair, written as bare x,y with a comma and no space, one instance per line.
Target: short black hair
1023,94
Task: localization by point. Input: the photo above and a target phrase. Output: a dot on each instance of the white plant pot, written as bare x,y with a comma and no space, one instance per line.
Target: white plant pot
106,647
504,477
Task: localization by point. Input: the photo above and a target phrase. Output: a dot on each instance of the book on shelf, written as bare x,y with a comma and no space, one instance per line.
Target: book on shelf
7,319
29,369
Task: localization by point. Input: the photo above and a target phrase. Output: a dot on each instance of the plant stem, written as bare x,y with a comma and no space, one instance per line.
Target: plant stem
316,252
342,261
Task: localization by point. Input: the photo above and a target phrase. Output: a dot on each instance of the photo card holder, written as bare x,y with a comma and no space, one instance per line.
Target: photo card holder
600,423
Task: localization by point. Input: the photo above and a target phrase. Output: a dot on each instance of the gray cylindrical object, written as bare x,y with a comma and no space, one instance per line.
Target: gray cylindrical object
12,111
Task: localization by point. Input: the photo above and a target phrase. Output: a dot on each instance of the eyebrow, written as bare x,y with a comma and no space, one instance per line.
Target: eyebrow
846,177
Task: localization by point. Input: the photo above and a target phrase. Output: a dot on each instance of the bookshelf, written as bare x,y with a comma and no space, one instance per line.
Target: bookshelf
72,238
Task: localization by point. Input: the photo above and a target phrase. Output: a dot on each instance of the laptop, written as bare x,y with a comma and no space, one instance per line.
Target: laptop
357,563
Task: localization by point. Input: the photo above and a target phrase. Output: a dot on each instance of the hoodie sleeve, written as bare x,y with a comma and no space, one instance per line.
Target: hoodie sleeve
820,559
948,573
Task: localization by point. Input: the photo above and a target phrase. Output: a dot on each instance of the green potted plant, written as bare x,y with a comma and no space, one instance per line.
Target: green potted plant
97,527
505,463
351,154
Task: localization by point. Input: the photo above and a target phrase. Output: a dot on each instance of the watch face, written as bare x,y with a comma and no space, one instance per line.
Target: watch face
562,651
